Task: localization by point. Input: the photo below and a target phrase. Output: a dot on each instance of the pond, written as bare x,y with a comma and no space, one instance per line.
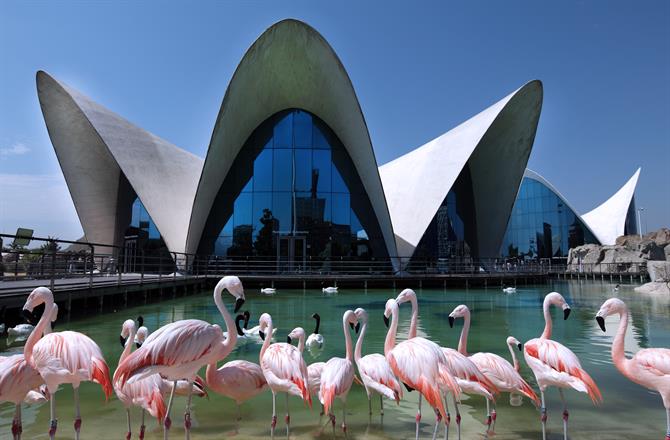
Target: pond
628,411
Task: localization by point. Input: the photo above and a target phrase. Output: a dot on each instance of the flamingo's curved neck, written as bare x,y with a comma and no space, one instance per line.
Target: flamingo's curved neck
359,343
347,340
301,342
415,317
618,353
231,328
39,329
514,359
463,341
129,342
210,373
266,341
546,334
389,343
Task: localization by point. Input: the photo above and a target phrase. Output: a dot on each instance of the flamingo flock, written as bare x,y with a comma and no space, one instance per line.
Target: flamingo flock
154,367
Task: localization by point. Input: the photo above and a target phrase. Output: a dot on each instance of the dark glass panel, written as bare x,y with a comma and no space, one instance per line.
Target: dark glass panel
320,141
303,170
338,182
263,171
283,132
282,207
282,170
341,209
302,123
321,166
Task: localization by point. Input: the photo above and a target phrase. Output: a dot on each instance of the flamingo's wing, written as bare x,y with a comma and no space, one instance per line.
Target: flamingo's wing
654,360
314,376
177,343
559,360
503,374
336,379
375,368
17,378
242,374
464,369
283,364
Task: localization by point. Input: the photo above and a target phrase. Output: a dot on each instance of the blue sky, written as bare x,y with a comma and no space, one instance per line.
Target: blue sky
419,69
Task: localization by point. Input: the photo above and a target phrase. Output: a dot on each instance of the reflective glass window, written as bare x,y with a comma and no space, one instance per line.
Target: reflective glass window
282,170
263,171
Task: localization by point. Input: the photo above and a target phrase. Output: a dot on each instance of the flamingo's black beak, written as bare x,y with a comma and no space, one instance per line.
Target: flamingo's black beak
288,339
601,322
238,304
262,335
351,324
520,346
386,321
358,327
29,316
451,321
122,340
138,345
566,313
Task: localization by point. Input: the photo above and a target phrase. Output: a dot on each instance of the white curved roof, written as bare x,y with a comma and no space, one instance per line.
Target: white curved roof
96,148
495,144
608,220
289,66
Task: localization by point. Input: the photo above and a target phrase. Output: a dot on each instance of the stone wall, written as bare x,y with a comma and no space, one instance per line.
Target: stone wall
631,253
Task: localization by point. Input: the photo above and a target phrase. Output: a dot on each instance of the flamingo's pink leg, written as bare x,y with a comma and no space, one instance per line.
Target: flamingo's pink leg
418,418
494,416
142,427
667,415
128,434
287,419
274,415
565,415
381,405
77,416
54,422
458,418
167,423
344,417
488,415
438,419
543,417
16,423
187,413
447,419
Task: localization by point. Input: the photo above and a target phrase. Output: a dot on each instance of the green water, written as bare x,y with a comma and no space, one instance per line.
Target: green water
629,411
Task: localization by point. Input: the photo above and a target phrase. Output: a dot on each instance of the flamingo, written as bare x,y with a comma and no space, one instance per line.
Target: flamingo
20,382
252,333
421,365
179,349
338,374
284,370
374,369
63,357
315,340
554,364
649,367
239,380
314,370
242,338
463,370
142,332
495,368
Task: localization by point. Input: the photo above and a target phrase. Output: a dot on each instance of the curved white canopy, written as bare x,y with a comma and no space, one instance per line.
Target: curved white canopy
97,148
289,66
608,221
495,144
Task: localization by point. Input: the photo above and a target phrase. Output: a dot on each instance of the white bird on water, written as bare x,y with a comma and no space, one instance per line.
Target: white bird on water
509,289
329,290
315,340
268,291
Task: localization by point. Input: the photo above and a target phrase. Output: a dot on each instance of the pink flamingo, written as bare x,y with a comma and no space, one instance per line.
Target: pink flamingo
420,364
649,367
239,380
314,370
374,369
63,357
20,382
463,370
496,369
179,349
148,393
554,364
284,370
338,375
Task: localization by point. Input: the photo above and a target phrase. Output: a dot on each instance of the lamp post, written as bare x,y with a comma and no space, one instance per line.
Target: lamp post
639,221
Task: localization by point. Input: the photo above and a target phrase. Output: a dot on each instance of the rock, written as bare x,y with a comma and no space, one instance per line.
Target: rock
667,252
650,250
628,241
660,237
659,270
654,288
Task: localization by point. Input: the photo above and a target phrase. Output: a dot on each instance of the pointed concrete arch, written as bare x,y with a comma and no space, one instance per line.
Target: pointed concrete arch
103,157
495,145
290,66
608,221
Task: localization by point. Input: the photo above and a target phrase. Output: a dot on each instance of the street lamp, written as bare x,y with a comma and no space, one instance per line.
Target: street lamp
639,221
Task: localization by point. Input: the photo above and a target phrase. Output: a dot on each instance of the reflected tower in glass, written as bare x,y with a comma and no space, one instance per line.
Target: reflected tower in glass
292,192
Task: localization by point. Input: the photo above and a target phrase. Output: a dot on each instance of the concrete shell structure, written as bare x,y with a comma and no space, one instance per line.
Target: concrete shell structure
494,145
106,160
290,66
608,221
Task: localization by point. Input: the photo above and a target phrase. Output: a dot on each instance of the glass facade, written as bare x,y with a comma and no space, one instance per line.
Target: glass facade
292,192
143,245
630,227
452,233
541,225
